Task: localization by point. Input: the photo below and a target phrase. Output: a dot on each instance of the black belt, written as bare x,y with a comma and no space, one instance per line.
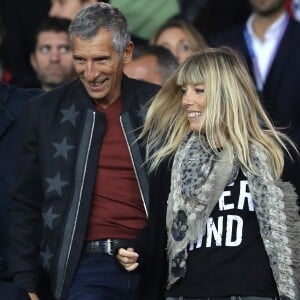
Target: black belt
108,246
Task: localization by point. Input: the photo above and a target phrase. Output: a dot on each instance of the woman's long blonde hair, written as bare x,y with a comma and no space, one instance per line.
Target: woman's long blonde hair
234,116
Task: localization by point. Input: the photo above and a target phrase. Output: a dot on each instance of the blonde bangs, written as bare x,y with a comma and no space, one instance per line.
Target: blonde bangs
189,74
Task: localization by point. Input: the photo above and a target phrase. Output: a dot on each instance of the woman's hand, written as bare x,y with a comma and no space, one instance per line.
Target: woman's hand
128,258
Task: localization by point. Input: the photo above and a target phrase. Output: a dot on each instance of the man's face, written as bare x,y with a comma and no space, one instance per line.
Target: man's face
52,59
267,7
67,8
99,66
145,68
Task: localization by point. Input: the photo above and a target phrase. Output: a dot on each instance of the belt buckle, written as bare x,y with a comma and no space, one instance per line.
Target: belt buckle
108,248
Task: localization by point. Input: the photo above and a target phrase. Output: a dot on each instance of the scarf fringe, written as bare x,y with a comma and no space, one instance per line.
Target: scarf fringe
292,238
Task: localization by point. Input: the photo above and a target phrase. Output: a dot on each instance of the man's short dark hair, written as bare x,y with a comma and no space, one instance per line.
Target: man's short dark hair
167,62
51,24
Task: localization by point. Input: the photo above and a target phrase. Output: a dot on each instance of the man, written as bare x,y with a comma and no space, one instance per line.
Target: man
151,63
20,20
82,190
68,8
12,101
51,57
270,42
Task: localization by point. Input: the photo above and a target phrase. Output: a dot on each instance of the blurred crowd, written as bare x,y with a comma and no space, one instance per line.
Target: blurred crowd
20,23
198,21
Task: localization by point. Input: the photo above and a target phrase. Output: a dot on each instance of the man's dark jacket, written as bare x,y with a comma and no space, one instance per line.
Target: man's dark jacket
62,137
281,92
12,101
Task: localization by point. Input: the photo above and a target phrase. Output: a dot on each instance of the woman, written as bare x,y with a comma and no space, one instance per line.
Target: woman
180,37
232,226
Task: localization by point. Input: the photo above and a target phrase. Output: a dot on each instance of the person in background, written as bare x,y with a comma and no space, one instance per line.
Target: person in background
151,63
51,57
82,189
20,20
68,8
12,101
270,43
180,37
215,16
222,219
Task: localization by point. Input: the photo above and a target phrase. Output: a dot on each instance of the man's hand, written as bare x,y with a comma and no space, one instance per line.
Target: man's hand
33,296
128,258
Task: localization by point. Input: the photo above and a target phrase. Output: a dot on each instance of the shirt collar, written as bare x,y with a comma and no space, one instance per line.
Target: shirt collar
273,31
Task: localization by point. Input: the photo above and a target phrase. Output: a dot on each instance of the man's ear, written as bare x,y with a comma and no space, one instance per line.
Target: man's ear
127,56
33,61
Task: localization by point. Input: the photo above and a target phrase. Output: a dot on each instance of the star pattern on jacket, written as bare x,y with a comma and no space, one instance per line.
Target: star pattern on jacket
69,115
46,256
49,217
56,184
62,148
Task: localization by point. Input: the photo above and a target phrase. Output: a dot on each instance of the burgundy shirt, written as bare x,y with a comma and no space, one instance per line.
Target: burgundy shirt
117,209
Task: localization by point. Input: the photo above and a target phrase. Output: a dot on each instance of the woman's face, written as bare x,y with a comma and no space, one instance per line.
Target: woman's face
194,103
177,41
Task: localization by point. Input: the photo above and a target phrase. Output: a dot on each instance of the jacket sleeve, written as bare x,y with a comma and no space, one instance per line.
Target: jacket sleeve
152,241
27,223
